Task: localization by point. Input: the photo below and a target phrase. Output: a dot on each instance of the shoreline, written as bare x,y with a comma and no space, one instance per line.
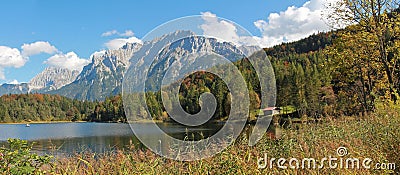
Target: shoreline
41,122
137,121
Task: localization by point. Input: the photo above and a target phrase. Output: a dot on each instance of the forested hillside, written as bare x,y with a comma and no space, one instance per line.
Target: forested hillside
312,43
45,107
42,107
302,80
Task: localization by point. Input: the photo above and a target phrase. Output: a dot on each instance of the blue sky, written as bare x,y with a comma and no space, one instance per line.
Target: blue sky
65,33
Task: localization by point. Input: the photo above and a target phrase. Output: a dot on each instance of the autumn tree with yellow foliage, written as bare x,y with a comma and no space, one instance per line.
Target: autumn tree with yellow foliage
365,55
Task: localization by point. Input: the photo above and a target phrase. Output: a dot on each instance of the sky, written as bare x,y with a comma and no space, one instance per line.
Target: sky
35,34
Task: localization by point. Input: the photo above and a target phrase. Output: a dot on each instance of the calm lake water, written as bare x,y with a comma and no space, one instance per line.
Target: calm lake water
93,137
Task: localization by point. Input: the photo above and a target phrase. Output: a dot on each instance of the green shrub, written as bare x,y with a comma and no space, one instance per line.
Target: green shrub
18,159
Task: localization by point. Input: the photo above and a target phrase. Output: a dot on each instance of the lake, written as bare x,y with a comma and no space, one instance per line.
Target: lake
93,137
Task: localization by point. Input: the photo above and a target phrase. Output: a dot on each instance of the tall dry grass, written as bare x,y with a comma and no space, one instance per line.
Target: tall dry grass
375,136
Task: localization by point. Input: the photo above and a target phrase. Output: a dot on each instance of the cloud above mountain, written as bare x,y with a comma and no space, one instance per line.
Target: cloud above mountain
14,82
38,48
214,27
127,33
10,57
109,33
293,24
13,57
69,61
119,42
290,25
224,30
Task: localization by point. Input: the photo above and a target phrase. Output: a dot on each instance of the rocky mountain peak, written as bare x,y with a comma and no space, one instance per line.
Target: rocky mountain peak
53,78
103,76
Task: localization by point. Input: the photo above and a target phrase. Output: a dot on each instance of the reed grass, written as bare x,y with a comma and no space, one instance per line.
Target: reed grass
375,136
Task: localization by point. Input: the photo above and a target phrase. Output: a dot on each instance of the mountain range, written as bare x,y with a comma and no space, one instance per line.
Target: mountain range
51,78
103,76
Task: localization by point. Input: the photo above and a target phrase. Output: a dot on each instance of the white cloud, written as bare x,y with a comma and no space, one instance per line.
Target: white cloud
225,30
13,82
37,48
290,25
293,24
109,33
69,61
10,57
127,33
119,42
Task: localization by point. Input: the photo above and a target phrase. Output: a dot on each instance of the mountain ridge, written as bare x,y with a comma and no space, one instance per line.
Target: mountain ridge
103,76
52,78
